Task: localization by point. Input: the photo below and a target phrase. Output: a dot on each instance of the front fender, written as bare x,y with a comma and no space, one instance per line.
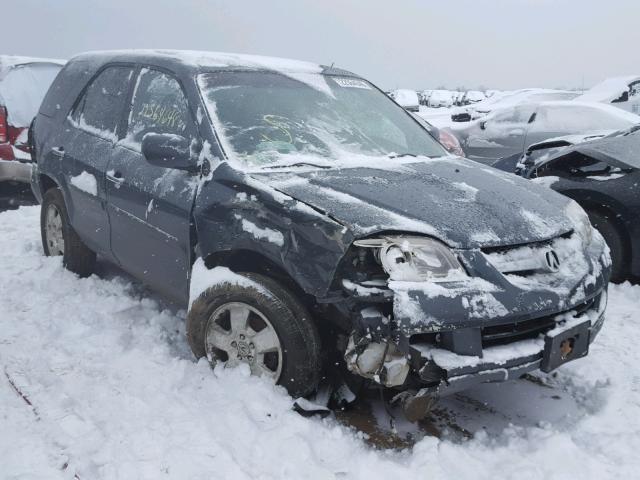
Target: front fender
235,212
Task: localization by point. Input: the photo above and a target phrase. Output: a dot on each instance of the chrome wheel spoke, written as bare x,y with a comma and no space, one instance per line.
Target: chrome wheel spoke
266,340
259,368
218,338
53,231
239,318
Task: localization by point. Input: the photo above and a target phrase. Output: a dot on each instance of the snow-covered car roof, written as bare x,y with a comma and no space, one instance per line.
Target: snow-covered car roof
208,59
608,90
517,97
9,62
405,97
604,108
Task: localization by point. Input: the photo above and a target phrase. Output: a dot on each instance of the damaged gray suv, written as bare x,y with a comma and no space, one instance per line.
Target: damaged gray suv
316,230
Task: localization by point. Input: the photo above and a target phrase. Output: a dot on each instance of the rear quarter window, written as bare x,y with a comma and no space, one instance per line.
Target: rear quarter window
100,108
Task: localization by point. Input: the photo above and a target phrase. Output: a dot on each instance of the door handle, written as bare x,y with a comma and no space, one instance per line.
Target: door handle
59,151
115,177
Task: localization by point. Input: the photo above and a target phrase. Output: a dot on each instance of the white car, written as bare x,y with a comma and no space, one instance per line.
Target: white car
621,92
407,99
441,98
510,100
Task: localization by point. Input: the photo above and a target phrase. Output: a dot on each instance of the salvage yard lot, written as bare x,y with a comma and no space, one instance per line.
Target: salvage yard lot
98,382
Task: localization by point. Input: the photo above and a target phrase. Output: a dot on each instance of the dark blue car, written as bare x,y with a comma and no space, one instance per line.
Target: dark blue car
316,230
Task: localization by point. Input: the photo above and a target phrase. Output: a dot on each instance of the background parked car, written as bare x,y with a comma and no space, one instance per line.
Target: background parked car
508,132
603,176
441,98
511,99
407,99
621,92
447,139
23,83
424,97
472,96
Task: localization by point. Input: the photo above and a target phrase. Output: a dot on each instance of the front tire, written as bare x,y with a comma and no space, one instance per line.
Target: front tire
60,239
259,323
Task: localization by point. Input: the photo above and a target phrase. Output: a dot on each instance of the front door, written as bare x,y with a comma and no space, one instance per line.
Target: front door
499,135
150,206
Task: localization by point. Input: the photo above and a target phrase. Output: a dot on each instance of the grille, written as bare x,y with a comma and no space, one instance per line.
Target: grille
521,260
502,334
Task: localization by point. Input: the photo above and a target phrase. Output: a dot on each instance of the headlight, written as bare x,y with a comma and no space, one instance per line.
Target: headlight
580,220
415,259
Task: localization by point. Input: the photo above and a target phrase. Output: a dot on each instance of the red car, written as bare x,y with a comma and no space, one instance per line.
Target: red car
23,83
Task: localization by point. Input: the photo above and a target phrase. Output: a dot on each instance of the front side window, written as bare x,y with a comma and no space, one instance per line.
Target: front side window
269,119
101,106
158,106
513,115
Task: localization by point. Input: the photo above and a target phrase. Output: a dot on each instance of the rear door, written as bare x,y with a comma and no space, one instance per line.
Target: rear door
149,206
86,145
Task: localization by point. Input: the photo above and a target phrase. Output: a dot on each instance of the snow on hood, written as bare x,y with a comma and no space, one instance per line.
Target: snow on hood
567,140
455,200
608,90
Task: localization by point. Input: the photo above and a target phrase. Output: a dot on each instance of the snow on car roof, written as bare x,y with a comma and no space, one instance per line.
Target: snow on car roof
8,62
609,89
216,59
613,111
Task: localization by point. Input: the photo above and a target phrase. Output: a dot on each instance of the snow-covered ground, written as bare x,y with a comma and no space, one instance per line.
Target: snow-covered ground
439,117
97,382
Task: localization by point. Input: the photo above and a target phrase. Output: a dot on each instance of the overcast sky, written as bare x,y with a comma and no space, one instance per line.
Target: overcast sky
412,43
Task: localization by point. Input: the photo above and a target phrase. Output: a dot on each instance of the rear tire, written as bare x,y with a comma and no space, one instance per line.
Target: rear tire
298,339
619,257
60,239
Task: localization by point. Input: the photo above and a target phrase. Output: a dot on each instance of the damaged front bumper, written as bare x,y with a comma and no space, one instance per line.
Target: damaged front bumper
446,338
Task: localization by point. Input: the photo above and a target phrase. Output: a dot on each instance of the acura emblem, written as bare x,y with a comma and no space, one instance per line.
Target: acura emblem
553,262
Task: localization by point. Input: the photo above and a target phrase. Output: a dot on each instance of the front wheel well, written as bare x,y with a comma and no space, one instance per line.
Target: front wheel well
253,262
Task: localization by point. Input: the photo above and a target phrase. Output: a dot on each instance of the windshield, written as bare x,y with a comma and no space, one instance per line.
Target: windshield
269,119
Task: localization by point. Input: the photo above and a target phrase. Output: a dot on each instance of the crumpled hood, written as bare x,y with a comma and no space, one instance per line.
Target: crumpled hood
463,203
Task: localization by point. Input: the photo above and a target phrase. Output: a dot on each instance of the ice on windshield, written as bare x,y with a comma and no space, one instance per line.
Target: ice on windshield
269,119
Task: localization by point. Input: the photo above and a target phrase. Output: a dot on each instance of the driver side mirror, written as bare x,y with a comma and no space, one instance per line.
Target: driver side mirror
168,151
483,125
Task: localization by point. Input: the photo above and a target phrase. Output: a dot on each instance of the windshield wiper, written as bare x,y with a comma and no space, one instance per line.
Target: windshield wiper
399,155
297,164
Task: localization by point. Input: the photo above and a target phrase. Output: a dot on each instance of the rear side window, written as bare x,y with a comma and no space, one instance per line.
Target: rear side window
159,105
100,108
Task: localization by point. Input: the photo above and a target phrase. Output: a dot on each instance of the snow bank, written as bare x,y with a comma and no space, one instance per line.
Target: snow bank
118,395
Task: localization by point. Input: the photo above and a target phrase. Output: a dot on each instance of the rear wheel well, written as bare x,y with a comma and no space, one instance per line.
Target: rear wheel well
47,183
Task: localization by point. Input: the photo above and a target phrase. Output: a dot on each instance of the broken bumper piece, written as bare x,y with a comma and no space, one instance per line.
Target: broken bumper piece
567,341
